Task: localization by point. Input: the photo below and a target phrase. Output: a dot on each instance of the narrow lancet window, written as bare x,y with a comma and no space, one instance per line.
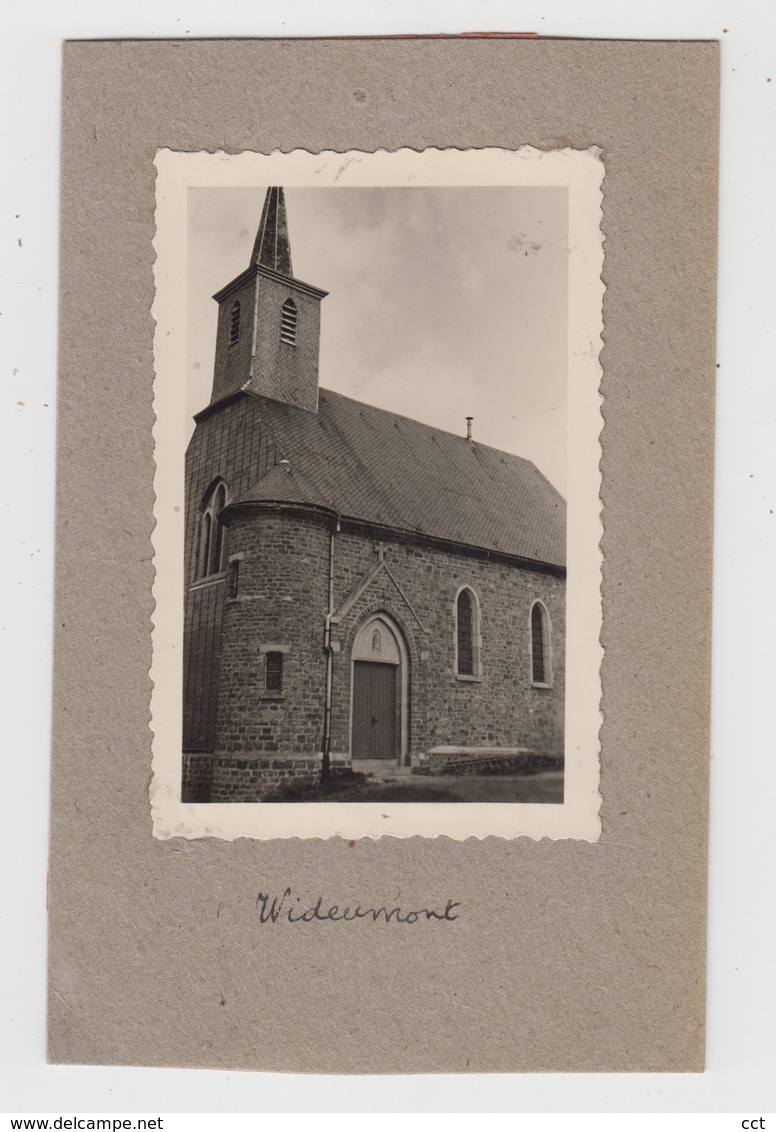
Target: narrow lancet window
540,644
219,502
203,557
465,634
211,545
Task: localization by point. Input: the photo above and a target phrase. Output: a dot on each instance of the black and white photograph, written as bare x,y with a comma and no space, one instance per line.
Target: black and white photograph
374,551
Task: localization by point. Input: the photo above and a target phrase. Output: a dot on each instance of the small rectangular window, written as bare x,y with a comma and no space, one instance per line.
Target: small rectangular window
233,581
273,680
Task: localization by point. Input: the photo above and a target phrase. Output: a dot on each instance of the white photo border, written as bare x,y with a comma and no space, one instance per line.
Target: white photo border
581,172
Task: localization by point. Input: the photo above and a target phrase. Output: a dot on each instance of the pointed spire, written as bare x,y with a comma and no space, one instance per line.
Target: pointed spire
272,248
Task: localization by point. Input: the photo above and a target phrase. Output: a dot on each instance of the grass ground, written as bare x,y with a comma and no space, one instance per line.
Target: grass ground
544,787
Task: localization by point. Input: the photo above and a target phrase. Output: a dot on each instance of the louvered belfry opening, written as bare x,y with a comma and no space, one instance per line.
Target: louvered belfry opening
234,324
288,321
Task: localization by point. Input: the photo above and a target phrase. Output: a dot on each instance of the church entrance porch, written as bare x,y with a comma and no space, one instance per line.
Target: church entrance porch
379,690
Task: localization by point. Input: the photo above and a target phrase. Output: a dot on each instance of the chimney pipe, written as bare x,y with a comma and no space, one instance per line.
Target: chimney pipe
469,427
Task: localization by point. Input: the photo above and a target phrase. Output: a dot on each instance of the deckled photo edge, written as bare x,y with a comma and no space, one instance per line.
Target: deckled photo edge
581,172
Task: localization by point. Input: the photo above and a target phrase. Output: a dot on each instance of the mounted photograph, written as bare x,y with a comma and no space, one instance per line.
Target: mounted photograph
378,574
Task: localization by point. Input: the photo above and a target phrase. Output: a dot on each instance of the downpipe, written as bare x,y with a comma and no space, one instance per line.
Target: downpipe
326,760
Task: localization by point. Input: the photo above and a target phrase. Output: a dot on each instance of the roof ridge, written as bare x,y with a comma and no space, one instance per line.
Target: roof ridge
412,420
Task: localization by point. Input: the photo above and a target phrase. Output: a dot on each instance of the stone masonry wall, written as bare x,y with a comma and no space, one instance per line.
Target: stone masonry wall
231,443
252,777
196,778
282,603
202,649
280,606
501,708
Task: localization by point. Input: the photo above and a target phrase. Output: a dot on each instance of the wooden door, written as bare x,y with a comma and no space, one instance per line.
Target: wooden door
374,710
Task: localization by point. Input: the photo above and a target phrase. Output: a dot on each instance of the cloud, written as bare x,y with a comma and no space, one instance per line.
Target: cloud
433,309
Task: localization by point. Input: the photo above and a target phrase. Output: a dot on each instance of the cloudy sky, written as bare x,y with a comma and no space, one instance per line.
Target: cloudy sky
443,302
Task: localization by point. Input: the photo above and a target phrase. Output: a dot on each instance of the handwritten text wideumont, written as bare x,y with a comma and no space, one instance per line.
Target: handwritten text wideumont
288,907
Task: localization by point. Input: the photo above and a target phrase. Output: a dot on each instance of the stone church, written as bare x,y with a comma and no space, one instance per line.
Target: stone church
361,590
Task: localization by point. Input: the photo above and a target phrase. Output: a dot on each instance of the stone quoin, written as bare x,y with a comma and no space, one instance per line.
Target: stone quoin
360,587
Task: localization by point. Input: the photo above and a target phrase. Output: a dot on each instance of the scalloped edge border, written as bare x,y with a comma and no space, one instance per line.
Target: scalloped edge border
582,171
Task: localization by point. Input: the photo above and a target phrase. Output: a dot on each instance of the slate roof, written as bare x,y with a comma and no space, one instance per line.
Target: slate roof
272,247
369,464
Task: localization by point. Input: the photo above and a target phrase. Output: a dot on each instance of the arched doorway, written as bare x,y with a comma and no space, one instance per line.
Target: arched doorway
379,692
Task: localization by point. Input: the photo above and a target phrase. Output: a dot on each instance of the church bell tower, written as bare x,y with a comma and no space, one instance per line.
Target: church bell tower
269,322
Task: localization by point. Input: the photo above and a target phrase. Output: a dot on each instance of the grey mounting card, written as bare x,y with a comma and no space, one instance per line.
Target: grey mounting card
504,949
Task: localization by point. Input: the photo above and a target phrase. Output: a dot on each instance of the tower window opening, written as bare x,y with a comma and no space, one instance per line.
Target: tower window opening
233,577
234,324
273,673
288,322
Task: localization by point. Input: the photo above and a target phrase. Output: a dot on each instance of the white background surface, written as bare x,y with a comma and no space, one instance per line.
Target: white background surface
739,1075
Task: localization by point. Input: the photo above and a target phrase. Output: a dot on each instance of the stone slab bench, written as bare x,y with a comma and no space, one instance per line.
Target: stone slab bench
484,760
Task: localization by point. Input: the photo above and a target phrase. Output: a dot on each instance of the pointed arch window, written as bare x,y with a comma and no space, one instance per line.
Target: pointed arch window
234,324
288,322
211,536
467,635
541,646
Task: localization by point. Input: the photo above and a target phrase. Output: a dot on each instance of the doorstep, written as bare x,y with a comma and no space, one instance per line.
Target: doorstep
383,769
